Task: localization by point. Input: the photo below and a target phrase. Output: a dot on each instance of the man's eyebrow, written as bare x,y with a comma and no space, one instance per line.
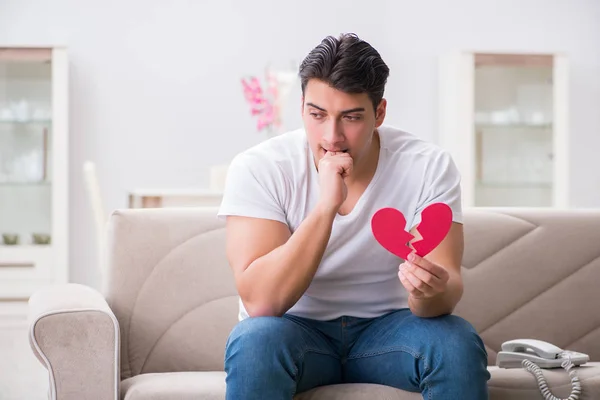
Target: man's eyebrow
357,109
316,106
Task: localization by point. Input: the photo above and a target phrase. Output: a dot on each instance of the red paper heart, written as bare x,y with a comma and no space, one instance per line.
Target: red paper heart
388,226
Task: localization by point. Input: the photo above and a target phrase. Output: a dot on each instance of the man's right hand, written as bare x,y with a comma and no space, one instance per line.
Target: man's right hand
333,169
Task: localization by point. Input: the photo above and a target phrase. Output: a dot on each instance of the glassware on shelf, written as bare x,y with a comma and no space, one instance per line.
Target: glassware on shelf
40,238
14,239
10,239
25,111
23,155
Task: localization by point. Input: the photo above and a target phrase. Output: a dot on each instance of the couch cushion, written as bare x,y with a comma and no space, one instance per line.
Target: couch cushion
357,391
517,384
513,384
211,386
175,386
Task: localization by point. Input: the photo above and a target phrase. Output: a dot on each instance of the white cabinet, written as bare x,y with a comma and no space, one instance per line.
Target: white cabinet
504,118
33,170
159,198
167,198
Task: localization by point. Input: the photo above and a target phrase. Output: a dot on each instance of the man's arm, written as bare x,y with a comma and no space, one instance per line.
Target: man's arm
422,273
273,267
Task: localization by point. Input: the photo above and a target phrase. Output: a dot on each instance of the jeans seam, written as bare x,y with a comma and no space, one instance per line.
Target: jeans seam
425,381
343,337
388,350
404,349
301,359
318,351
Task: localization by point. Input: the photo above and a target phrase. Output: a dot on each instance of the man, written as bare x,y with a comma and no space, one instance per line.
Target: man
321,302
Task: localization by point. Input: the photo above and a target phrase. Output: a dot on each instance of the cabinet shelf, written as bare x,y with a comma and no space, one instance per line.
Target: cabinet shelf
515,185
513,126
25,122
25,184
24,255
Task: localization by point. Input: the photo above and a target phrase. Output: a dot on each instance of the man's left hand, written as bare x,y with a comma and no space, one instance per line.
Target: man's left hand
423,279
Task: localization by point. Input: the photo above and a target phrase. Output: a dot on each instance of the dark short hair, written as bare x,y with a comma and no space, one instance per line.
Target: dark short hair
348,64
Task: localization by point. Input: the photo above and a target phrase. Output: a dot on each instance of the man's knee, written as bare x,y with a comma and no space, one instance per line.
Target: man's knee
458,341
454,324
258,334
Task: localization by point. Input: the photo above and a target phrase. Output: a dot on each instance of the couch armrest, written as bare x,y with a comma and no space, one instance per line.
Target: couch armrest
75,335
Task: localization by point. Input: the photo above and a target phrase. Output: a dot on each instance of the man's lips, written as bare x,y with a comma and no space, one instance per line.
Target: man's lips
335,150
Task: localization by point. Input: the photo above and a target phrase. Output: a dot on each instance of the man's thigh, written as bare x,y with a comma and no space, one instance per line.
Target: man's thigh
288,355
318,360
402,350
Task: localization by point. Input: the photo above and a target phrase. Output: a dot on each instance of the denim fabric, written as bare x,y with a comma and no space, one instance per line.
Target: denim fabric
276,357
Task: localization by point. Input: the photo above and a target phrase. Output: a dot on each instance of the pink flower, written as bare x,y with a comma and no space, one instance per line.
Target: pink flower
260,105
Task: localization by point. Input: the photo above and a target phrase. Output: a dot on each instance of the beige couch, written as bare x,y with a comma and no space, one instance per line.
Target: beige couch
159,331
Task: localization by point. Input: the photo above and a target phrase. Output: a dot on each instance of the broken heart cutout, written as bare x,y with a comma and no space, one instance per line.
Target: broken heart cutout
388,226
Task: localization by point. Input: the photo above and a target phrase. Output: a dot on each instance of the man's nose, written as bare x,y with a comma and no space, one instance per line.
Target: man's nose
333,133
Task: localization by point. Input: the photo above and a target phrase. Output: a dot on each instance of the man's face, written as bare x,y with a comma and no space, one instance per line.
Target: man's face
339,122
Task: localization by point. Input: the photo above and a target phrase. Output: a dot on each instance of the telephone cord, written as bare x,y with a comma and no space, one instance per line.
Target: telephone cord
536,371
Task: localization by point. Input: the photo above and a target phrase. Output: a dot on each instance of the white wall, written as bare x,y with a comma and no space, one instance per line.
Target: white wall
155,85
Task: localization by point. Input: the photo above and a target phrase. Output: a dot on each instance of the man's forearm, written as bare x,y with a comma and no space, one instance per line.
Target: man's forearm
442,304
273,283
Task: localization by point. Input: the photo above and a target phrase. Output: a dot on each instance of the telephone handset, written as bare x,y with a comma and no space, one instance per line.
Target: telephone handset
544,354
534,354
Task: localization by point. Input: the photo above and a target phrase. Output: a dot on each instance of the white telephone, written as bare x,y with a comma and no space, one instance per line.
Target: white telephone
534,354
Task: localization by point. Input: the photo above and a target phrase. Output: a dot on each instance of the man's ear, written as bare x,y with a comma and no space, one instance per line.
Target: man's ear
380,113
301,105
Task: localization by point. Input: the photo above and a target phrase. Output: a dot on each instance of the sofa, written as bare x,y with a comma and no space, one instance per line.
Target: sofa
157,330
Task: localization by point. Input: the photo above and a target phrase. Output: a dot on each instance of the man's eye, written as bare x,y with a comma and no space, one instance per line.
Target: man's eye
352,117
316,116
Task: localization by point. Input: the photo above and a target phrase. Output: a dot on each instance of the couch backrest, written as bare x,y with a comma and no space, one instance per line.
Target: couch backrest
171,289
533,273
528,273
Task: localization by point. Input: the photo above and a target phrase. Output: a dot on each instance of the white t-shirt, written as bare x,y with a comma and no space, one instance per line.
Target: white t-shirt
277,179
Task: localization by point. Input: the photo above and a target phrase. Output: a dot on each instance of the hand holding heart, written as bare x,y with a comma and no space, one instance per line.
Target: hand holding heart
422,278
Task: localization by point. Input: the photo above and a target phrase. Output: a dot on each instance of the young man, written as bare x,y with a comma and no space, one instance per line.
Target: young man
321,302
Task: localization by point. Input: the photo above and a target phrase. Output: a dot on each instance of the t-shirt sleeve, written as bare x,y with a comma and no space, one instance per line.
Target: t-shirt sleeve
442,185
253,189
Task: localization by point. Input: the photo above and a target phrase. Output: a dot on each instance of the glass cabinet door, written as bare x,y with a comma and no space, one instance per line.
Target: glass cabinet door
25,147
504,119
513,116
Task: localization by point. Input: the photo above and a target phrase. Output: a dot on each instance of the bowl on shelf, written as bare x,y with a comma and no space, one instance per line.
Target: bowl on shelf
40,238
10,239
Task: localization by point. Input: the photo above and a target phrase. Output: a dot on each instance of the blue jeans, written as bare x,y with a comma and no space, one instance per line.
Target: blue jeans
276,357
